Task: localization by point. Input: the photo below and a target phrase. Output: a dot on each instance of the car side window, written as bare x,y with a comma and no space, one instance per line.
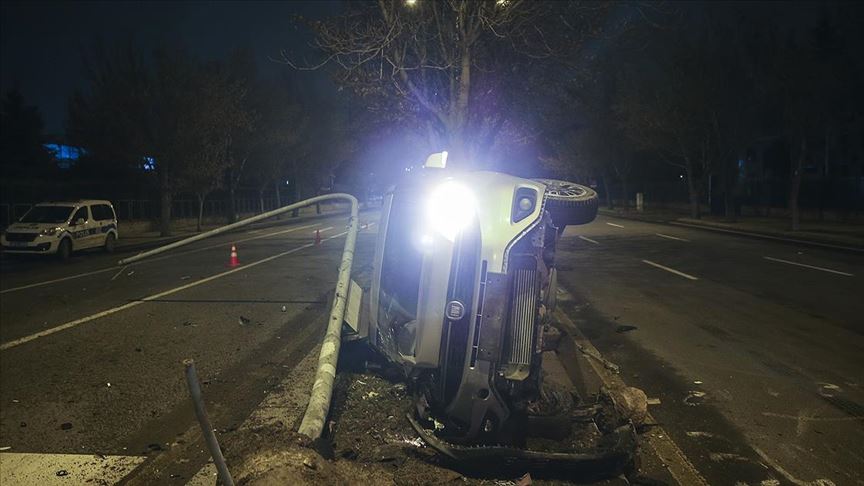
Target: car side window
80,214
102,212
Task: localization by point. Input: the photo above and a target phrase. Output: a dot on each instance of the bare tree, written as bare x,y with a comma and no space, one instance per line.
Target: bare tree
450,68
281,124
677,110
219,112
138,108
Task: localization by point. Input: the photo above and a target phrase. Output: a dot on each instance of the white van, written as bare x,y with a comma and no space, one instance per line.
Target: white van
63,227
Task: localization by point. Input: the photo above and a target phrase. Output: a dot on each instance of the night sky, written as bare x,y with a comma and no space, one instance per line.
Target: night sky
42,42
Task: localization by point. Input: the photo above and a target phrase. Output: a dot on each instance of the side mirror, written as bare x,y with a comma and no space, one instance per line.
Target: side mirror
80,221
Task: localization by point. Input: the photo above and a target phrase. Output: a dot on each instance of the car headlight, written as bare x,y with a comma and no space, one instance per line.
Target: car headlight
450,208
49,231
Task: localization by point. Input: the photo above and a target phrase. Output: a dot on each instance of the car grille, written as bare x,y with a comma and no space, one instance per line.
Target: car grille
522,317
27,237
460,288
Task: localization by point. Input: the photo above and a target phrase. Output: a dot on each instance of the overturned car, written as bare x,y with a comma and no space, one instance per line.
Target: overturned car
463,284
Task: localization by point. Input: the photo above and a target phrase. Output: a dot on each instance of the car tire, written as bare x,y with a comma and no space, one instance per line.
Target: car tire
569,203
64,250
110,242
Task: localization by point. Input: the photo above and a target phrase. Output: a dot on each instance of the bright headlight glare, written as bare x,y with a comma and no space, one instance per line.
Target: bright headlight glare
450,208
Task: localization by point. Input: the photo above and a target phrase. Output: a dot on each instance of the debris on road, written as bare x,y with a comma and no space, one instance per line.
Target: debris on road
185,277
66,426
5,448
694,398
62,473
699,433
630,403
243,321
594,354
284,309
625,328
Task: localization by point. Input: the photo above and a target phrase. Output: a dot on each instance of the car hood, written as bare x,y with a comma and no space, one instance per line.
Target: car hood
32,227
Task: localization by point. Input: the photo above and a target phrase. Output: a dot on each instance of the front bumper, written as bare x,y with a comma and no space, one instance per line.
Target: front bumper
40,244
615,454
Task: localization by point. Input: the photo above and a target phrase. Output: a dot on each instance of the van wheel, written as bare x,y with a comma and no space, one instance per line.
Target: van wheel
64,251
110,241
569,203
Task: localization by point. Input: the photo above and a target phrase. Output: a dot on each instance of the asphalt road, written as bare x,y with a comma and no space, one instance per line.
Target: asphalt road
754,348
91,353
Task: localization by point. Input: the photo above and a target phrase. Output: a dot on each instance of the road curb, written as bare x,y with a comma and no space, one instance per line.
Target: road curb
749,234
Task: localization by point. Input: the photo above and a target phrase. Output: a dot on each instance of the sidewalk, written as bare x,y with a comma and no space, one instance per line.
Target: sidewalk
848,236
138,237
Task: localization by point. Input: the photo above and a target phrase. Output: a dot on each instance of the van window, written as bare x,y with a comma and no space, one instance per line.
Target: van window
102,212
402,259
80,214
47,214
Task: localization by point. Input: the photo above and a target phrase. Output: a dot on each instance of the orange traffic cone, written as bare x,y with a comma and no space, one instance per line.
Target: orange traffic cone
317,237
234,261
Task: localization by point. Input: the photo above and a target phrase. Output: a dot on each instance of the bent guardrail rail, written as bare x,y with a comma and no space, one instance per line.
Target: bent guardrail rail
322,390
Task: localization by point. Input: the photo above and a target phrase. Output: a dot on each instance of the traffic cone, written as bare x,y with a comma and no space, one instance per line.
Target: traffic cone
317,237
234,261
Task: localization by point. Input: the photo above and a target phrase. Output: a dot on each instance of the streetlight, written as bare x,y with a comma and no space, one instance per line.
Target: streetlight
411,3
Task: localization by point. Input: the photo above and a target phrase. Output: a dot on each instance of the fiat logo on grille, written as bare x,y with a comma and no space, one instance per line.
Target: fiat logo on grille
455,310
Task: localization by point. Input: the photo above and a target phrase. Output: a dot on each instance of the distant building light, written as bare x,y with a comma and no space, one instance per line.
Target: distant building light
148,164
65,156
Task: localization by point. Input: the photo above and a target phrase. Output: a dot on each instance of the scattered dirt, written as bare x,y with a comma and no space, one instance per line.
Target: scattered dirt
368,438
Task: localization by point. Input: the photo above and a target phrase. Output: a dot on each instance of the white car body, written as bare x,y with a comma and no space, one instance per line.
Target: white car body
89,224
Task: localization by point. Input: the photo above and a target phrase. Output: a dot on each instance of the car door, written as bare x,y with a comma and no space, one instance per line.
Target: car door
104,219
81,226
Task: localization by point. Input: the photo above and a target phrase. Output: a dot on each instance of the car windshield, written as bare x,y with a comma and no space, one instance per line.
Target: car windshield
47,214
402,260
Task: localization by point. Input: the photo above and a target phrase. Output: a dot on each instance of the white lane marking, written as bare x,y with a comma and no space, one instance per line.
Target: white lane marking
786,474
326,229
615,225
672,270
679,465
672,237
58,280
809,266
119,272
114,310
48,469
589,240
171,255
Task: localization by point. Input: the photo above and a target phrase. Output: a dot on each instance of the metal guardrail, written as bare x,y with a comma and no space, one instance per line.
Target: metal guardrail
322,390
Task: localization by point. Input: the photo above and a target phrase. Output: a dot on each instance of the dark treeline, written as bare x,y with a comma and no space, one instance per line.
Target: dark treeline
705,103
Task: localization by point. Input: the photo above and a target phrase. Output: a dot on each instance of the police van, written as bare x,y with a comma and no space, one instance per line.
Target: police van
60,228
